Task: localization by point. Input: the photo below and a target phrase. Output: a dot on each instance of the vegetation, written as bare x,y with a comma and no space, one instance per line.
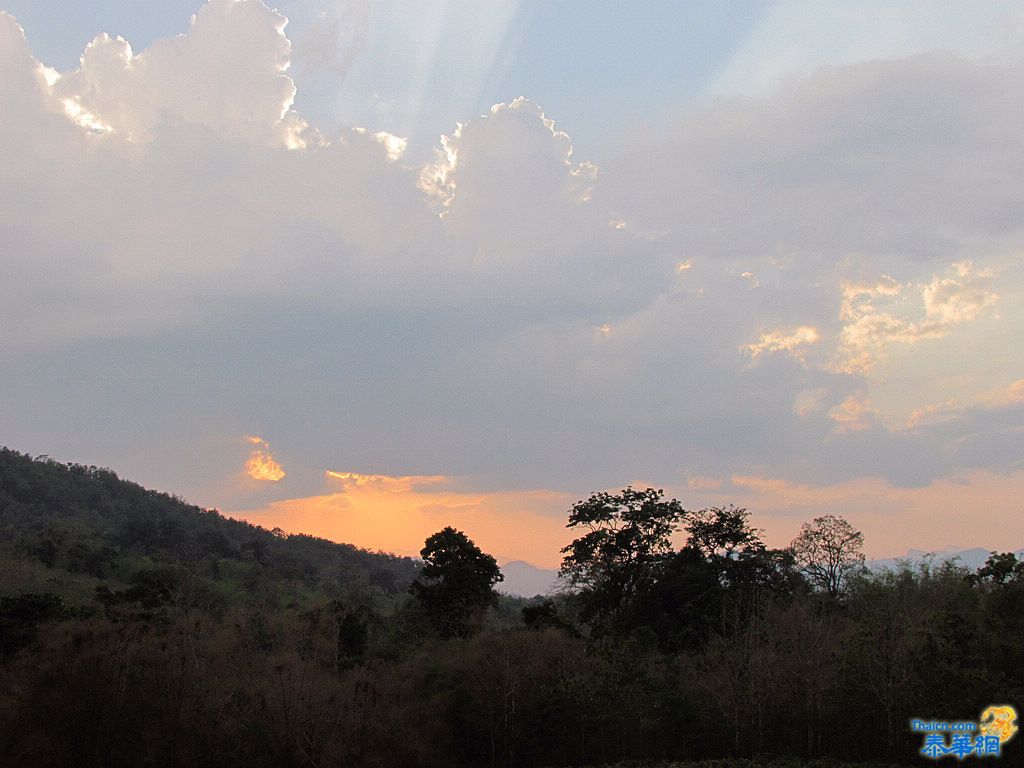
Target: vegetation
138,630
456,585
828,550
70,528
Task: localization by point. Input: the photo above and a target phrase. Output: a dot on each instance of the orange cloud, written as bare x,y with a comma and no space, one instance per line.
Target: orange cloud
396,514
877,316
781,340
853,414
261,464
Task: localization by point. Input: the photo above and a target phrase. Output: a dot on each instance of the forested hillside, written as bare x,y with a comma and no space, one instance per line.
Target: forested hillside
136,629
71,529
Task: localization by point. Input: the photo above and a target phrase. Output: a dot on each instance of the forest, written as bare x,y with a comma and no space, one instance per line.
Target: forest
139,630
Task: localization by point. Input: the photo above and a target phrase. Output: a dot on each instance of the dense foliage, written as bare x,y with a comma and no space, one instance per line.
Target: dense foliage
456,584
138,630
70,528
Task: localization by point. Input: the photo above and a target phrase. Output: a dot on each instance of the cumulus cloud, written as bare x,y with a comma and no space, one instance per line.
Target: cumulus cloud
228,73
875,316
475,179
176,232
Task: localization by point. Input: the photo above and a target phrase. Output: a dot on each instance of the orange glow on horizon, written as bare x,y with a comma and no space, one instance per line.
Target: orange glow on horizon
979,508
397,513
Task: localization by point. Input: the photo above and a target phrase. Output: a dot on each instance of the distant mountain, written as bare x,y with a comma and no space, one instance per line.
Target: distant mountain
971,559
527,580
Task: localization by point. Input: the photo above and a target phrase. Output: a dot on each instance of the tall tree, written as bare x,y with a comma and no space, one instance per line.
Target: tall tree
628,538
828,550
457,582
722,531
734,549
1000,568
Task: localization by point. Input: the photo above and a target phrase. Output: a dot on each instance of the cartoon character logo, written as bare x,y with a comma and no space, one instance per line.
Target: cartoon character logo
999,721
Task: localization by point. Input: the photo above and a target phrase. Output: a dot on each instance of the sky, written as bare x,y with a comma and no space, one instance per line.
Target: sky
365,269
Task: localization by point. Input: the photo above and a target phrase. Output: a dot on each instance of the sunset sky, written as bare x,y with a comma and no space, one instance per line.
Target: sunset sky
366,269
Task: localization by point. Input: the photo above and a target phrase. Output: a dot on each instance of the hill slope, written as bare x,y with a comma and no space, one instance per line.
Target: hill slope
68,529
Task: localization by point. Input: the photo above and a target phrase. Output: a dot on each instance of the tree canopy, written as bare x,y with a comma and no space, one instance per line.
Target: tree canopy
457,581
628,537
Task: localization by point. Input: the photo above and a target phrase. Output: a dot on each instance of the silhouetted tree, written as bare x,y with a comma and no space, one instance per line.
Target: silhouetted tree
457,581
679,606
827,550
1000,568
722,531
734,550
628,538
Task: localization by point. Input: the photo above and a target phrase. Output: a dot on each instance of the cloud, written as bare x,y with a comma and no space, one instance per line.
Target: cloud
853,414
261,464
474,179
874,316
1016,391
949,301
330,43
794,39
228,73
882,163
784,341
215,261
809,401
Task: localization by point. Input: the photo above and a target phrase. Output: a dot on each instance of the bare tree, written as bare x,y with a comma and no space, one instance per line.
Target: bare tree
827,550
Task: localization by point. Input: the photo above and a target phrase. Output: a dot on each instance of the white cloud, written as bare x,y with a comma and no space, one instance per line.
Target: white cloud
876,316
333,39
523,198
950,301
228,73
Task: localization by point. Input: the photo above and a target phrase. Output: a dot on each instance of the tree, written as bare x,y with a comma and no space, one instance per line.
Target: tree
1000,568
628,538
828,550
456,583
683,602
722,531
734,549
